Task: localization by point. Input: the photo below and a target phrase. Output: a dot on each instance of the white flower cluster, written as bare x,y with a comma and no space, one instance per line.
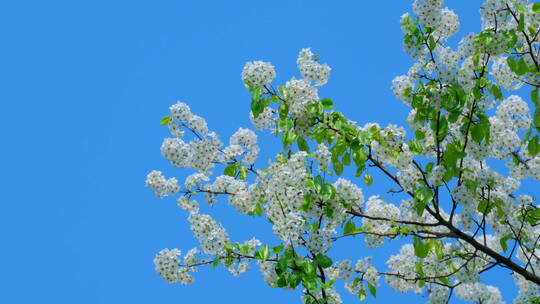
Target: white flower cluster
402,87
404,264
322,157
283,190
265,120
243,197
168,265
351,193
529,292
437,294
240,141
493,13
503,75
409,177
403,267
161,186
319,241
444,21
258,73
377,208
448,24
368,271
181,116
514,112
447,63
188,204
211,235
480,293
199,154
194,180
332,297
301,94
311,69
428,11
268,270
240,265
342,270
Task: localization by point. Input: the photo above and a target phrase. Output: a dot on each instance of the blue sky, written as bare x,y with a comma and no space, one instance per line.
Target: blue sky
83,87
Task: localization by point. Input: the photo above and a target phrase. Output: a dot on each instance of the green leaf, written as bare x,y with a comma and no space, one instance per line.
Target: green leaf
419,135
346,159
445,281
283,110
257,106
258,209
263,253
302,144
521,67
421,249
307,202
277,249
503,241
359,170
216,261
418,268
536,7
338,167
431,43
484,207
288,137
415,147
364,138
533,147
360,157
521,23
294,280
243,173
368,179
496,92
349,227
512,64
230,170
285,124
281,281
372,290
443,128
327,103
477,133
165,120
536,119
362,295
323,260
422,197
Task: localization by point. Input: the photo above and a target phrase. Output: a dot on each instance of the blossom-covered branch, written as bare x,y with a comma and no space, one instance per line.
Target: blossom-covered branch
459,216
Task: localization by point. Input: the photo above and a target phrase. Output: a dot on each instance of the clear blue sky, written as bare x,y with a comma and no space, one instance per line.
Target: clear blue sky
83,87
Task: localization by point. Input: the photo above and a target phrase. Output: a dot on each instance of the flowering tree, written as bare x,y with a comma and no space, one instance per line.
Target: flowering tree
461,217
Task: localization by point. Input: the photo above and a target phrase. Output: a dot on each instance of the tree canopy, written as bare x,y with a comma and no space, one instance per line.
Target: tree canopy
456,170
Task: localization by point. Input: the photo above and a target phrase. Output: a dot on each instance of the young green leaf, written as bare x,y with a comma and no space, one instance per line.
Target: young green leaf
327,103
421,249
368,179
323,260
277,249
165,120
372,290
230,170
